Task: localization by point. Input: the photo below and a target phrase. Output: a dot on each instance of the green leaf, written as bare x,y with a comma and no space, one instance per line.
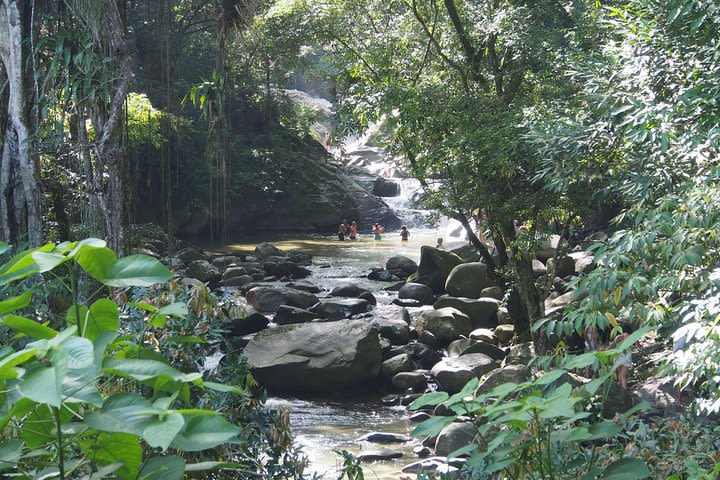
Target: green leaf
112,448
4,247
550,377
176,309
432,426
605,429
433,398
10,452
171,467
161,432
136,271
103,316
579,361
42,386
205,431
220,387
15,303
96,261
124,413
31,328
21,265
625,469
8,363
141,369
40,428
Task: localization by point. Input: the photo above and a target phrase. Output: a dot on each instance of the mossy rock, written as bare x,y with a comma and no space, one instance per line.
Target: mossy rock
435,267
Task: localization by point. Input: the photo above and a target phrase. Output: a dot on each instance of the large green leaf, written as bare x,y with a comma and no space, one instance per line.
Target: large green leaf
124,413
625,469
161,432
42,386
40,427
433,398
96,261
4,247
79,384
102,317
171,467
432,426
10,452
205,431
21,265
8,363
28,327
110,448
136,271
15,303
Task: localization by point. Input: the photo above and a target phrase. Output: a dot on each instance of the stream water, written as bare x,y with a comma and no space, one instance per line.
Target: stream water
322,425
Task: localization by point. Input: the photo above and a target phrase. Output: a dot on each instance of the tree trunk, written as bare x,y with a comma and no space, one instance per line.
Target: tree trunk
19,188
526,304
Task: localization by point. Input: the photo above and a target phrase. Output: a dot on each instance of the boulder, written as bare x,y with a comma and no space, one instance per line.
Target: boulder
401,263
347,289
468,280
301,258
424,356
369,297
446,324
316,357
287,315
384,187
661,394
433,466
484,334
435,267
304,286
584,263
382,275
507,374
252,323
222,263
189,255
417,291
548,247
466,346
204,271
418,417
504,332
564,268
395,365
454,437
265,250
407,302
339,308
392,322
286,268
268,299
378,453
233,272
539,268
520,354
481,311
616,400
404,380
452,374
492,292
384,437
427,338
238,281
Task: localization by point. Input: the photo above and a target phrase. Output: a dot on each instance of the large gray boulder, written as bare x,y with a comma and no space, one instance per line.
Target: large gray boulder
339,308
316,357
401,264
204,271
347,289
454,437
189,255
435,267
393,366
287,315
265,250
268,299
384,187
446,324
466,346
393,323
452,374
563,267
481,311
508,374
468,280
548,247
417,291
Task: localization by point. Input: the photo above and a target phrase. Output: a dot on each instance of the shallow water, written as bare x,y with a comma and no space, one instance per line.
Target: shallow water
322,425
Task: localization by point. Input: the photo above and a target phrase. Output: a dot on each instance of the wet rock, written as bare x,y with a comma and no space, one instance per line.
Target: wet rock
520,354
446,324
189,255
222,263
452,374
431,466
349,290
481,311
301,258
384,437
378,453
369,297
485,335
316,357
337,309
565,266
454,437
382,275
393,366
422,452
268,299
427,338
392,323
417,291
466,346
304,286
424,356
238,281
204,271
287,315
504,332
407,302
435,267
539,268
252,323
405,380
507,374
266,250
401,263
384,187
409,398
419,417
468,280
492,292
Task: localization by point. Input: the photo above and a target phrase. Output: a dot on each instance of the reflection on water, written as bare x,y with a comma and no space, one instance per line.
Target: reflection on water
321,426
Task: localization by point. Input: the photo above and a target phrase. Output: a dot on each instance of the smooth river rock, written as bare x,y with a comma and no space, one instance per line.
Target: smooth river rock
435,267
316,357
481,311
452,374
468,280
268,299
417,291
446,324
339,308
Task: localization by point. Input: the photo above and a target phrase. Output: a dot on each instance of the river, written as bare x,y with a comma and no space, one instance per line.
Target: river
322,425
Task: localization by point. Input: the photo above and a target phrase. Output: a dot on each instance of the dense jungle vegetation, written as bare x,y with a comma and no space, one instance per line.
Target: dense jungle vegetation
130,123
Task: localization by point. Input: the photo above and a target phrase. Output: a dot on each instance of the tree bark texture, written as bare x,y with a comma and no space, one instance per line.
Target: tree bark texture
19,187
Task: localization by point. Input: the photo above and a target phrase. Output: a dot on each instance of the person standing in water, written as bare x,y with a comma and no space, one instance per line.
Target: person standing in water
353,230
377,230
404,234
439,243
342,230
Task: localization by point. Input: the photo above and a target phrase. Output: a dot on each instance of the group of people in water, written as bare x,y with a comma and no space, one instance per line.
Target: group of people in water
351,231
